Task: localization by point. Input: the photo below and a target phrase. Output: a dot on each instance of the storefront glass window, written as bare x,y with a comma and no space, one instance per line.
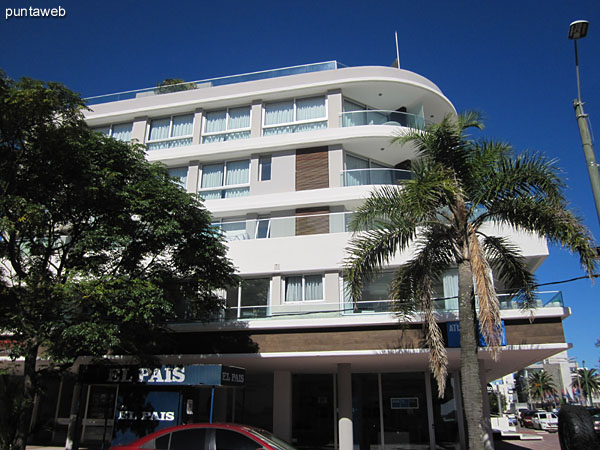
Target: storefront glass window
404,402
445,415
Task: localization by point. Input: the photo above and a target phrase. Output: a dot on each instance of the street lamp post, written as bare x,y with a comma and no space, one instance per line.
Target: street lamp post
578,30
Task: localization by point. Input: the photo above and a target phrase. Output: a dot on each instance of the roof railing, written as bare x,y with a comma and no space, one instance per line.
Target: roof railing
218,81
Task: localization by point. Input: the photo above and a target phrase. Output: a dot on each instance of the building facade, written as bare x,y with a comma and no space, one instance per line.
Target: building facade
282,159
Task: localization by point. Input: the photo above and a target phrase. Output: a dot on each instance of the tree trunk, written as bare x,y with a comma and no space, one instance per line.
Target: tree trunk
478,436
29,390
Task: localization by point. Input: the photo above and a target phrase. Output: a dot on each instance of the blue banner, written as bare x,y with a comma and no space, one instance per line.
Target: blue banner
453,329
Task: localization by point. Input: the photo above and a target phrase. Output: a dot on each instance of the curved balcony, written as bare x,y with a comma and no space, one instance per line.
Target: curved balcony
382,117
374,176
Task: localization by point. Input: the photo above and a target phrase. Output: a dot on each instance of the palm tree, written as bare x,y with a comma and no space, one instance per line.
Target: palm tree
589,382
541,385
458,185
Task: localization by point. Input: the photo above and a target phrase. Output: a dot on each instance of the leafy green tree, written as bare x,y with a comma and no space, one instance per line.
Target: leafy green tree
460,184
99,249
589,380
169,85
541,385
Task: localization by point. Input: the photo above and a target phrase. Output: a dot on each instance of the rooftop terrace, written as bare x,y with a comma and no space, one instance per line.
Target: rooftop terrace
219,81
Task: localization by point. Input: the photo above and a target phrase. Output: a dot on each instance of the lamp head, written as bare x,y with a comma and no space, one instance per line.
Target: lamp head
578,29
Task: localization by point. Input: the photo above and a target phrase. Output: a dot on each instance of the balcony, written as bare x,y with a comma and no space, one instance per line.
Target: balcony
382,117
549,299
274,227
374,176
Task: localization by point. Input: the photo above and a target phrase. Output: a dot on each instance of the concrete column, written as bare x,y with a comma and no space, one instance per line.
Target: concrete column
192,177
197,127
344,383
138,130
282,404
336,165
334,108
256,119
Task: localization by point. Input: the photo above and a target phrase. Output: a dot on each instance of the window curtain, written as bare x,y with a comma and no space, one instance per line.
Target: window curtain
280,112
181,174
239,118
122,132
212,176
238,172
352,119
183,125
159,129
357,171
293,289
313,287
310,108
237,192
215,121
103,130
450,283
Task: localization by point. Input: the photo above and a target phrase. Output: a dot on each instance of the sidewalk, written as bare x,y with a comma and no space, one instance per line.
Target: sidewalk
549,442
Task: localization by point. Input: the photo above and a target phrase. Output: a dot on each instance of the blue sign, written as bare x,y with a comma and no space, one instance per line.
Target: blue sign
453,329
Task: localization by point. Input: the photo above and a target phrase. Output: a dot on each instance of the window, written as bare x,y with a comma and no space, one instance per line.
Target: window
264,163
175,131
233,229
121,132
303,288
294,116
180,173
227,125
263,228
360,172
225,180
232,440
192,438
249,299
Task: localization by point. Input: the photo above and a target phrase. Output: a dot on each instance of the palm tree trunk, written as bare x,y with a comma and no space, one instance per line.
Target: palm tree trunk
29,389
478,437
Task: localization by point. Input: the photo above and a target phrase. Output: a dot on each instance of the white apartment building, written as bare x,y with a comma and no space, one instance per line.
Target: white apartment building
282,158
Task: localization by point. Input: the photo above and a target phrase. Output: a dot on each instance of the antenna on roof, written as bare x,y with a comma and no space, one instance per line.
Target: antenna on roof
397,62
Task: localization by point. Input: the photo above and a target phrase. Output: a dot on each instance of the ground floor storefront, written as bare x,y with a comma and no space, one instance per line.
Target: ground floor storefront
386,410
355,386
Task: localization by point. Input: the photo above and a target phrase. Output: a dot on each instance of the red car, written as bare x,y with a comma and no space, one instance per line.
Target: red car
208,436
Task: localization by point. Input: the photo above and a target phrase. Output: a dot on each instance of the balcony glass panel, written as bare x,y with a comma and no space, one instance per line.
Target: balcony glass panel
374,176
381,117
274,227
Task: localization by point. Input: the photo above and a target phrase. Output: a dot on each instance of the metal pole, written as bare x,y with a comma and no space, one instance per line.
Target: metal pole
586,140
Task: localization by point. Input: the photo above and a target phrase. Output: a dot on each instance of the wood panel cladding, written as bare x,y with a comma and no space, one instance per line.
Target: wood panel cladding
541,331
316,222
395,339
312,168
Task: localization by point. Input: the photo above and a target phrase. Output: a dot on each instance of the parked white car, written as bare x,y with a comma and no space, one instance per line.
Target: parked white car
545,421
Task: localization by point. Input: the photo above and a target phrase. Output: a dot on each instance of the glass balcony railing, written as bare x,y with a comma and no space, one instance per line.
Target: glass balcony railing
274,227
219,81
324,309
381,117
363,177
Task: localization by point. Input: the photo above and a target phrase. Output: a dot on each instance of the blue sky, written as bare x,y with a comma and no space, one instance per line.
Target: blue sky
510,60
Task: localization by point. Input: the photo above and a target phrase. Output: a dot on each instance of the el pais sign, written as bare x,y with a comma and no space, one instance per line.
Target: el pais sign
165,375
